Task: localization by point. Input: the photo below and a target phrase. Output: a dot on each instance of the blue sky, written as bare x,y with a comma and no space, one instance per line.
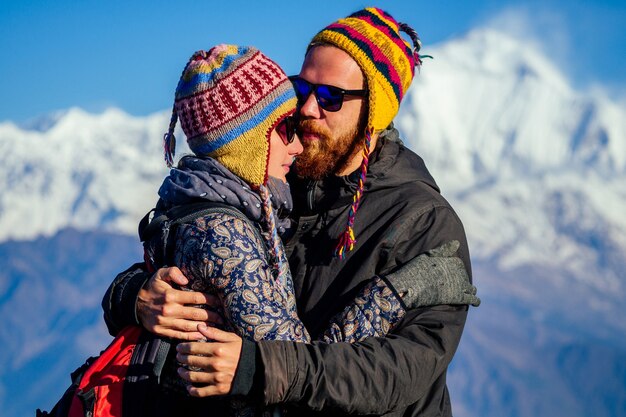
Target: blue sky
129,54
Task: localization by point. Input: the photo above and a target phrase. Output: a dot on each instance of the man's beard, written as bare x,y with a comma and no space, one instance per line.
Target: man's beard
327,155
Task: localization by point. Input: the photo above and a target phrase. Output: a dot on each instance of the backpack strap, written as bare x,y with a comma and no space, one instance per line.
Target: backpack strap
150,225
144,373
164,225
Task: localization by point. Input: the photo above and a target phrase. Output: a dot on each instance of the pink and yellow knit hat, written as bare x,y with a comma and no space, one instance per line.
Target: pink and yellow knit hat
372,38
228,101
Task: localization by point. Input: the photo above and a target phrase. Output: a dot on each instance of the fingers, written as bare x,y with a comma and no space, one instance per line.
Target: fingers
214,388
174,320
171,275
207,383
170,312
176,334
159,286
209,390
197,315
203,378
181,329
185,329
222,355
217,335
191,297
214,363
229,349
176,307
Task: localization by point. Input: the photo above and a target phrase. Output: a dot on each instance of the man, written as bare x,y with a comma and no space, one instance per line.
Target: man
360,190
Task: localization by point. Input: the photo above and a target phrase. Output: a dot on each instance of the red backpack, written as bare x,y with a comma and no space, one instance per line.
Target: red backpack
130,366
99,391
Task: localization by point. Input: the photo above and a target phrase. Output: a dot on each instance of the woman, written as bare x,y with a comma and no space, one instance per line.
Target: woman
235,107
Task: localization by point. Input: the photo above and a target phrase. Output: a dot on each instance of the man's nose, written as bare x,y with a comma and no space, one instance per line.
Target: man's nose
310,108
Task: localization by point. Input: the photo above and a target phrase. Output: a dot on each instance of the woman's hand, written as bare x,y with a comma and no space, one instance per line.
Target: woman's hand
169,312
218,358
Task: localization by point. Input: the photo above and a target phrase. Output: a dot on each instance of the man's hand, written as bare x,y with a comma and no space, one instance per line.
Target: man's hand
173,313
218,360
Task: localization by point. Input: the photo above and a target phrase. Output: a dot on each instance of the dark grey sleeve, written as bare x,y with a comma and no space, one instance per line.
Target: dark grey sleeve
434,278
375,376
118,303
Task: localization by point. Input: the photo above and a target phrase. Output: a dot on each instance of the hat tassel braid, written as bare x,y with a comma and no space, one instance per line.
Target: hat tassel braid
347,239
417,43
281,270
169,141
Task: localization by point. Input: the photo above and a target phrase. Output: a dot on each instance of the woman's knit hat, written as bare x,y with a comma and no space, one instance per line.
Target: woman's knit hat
372,38
228,101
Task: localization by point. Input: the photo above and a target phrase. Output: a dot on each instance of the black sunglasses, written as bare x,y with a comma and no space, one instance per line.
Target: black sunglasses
329,97
287,129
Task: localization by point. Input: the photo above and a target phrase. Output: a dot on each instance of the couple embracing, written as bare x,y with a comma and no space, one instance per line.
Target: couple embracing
334,278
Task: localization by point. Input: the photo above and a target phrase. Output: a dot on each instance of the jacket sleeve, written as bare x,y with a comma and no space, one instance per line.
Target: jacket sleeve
378,374
118,303
224,255
375,376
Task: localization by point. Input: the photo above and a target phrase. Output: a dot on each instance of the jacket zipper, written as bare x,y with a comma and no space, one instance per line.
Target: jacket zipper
310,197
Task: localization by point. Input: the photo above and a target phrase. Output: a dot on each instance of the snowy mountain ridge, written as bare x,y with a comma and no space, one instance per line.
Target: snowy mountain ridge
487,106
85,171
494,120
535,170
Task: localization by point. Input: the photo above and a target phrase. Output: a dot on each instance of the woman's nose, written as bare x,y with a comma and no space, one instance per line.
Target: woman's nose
295,147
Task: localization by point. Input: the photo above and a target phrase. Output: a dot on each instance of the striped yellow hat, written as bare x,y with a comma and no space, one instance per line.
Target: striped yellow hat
372,38
228,101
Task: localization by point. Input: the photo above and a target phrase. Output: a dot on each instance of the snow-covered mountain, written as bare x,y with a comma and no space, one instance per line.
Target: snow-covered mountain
535,169
79,170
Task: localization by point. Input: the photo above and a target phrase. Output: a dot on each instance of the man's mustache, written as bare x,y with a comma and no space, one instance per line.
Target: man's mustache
311,126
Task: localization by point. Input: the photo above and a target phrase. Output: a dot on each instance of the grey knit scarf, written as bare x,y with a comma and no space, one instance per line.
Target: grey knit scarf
205,179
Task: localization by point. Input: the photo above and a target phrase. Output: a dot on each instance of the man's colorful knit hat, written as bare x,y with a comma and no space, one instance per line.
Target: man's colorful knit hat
228,101
372,38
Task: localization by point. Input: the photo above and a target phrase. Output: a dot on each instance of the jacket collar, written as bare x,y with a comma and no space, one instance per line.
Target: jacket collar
391,164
